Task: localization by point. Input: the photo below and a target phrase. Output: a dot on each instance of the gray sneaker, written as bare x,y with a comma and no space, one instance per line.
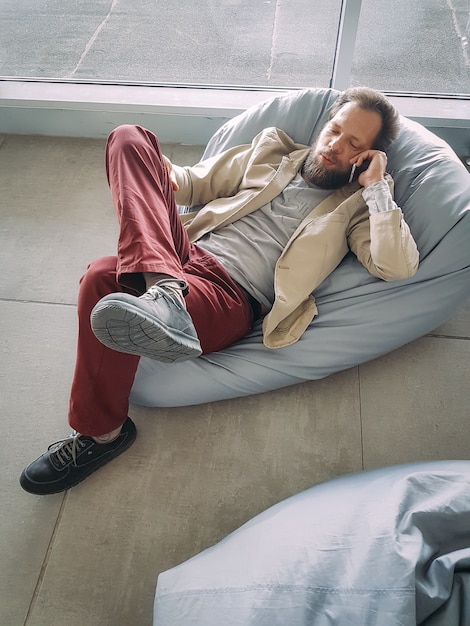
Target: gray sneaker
155,325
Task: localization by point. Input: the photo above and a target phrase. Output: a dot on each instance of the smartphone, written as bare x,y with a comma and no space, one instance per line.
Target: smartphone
356,171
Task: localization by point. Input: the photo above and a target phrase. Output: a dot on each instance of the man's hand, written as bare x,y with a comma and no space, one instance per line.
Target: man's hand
376,169
169,167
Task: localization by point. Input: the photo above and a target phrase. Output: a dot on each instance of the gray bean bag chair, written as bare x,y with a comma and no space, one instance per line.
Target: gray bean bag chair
389,547
360,317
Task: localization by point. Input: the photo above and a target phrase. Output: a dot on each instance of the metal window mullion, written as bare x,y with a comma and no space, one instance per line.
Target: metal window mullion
345,43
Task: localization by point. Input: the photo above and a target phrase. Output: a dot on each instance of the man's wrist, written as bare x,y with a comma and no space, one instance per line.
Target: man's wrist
378,197
374,182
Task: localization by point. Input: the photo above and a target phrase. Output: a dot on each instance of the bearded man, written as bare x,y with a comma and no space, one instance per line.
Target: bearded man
276,219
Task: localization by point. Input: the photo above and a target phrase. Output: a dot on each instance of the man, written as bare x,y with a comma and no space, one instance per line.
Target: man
277,218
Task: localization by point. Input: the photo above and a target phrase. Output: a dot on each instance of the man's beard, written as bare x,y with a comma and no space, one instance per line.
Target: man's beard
315,172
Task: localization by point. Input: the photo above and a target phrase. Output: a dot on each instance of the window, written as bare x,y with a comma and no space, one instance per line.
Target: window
401,45
229,42
413,46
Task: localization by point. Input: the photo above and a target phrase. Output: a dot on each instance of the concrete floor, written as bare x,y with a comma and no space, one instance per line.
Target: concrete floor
92,555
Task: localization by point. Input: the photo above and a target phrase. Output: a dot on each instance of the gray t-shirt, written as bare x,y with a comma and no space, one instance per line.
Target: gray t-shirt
250,247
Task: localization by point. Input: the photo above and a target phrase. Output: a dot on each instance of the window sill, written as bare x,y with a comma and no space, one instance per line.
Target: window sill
178,114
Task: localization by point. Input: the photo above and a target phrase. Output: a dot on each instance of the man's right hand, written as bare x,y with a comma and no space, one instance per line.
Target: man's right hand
375,170
171,172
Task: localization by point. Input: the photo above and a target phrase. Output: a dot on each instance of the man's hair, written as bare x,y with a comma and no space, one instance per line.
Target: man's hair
372,100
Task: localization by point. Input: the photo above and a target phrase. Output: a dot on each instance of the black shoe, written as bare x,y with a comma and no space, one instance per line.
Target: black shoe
69,461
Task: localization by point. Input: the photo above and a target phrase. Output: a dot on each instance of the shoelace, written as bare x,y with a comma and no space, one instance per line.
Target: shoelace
172,284
67,448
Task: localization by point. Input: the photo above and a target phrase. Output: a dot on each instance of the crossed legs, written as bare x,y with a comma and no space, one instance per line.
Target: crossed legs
152,240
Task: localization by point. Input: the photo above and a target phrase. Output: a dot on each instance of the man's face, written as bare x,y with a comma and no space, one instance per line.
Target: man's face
351,131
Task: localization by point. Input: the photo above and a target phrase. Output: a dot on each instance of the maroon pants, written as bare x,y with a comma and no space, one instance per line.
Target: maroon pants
151,239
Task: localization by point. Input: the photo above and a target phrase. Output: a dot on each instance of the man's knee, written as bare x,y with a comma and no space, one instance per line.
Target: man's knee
130,135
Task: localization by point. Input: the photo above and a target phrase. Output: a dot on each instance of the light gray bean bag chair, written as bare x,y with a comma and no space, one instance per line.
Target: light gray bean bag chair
389,547
360,317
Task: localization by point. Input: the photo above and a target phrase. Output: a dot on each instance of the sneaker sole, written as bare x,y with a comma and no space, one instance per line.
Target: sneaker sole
123,327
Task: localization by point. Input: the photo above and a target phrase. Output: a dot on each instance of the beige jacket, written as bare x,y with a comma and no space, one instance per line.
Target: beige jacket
242,179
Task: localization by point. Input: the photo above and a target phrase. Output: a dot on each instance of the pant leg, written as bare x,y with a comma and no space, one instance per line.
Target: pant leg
151,239
102,381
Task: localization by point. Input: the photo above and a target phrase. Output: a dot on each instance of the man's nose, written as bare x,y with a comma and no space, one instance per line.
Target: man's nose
336,144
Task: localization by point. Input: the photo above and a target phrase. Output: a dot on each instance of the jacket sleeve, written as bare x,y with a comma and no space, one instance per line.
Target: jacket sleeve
222,175
383,243
209,179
